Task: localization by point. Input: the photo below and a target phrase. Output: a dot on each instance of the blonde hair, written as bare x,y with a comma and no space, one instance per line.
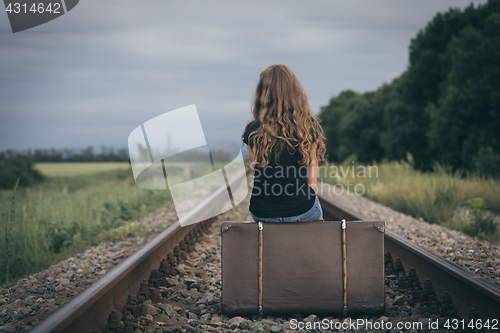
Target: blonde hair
286,119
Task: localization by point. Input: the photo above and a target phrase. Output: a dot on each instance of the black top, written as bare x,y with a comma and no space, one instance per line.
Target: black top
280,189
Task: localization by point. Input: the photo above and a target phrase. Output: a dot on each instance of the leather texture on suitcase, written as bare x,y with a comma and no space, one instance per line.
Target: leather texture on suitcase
302,267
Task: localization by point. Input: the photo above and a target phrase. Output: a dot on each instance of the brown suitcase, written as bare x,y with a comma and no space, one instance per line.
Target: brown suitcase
271,268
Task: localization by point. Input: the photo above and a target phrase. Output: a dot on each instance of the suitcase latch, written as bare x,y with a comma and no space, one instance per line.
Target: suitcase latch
261,226
343,224
379,225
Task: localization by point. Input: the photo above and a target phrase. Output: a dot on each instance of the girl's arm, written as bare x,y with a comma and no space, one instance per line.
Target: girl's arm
250,159
312,170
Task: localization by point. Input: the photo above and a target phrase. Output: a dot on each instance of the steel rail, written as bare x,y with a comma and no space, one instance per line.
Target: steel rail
468,290
90,310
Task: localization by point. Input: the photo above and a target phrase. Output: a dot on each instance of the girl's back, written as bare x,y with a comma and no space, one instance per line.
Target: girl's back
285,145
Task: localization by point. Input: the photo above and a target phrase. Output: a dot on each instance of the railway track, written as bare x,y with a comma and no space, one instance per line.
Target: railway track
90,311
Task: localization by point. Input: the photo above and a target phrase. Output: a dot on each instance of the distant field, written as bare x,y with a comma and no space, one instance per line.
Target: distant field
64,169
78,205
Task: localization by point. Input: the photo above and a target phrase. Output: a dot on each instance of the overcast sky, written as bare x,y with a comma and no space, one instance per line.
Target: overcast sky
94,74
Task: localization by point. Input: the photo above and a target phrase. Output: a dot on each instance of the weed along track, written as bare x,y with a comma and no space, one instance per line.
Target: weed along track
173,284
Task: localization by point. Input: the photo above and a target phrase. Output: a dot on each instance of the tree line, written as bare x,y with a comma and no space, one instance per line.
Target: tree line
89,154
444,108
20,164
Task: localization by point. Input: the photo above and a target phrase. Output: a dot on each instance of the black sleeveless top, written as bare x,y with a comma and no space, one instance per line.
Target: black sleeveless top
280,189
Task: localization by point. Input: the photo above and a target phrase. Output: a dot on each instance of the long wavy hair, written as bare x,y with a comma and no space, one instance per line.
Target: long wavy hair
286,119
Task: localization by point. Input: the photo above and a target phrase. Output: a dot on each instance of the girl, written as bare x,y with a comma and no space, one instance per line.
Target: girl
285,145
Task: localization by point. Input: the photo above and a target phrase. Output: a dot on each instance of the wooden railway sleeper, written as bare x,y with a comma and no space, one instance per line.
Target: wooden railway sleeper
129,328
417,293
171,259
398,266
154,278
389,269
142,310
131,306
388,263
428,290
178,254
412,277
447,307
183,246
143,293
474,316
402,281
154,295
114,322
434,308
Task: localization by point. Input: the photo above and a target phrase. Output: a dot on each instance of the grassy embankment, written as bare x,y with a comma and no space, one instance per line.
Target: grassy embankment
77,205
434,196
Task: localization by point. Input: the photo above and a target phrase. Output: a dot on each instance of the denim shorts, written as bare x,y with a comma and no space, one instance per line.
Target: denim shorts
313,214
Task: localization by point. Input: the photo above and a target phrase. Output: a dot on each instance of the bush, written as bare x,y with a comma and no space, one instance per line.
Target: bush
481,227
14,168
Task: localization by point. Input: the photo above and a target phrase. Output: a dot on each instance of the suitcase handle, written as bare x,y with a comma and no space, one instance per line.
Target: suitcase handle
344,266
261,251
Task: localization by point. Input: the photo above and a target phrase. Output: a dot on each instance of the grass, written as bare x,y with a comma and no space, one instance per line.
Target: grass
433,196
8,236
78,169
65,214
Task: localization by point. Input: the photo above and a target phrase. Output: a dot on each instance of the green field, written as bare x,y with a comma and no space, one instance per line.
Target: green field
77,205
78,169
434,196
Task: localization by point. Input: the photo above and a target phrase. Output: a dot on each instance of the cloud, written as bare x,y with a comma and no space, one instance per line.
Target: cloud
94,74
